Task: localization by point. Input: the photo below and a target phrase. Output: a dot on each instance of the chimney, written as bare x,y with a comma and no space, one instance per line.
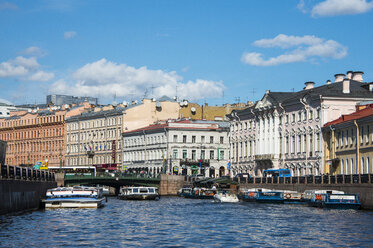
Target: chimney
339,77
349,74
328,82
309,85
346,86
357,76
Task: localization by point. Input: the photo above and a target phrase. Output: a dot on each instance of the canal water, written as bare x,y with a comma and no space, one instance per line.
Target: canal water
179,222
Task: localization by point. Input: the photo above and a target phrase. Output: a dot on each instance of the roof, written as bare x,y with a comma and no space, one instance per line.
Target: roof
368,111
169,124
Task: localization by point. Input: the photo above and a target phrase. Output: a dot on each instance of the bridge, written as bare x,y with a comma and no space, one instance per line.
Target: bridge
112,180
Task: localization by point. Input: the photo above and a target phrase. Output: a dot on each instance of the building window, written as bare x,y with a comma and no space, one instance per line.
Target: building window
203,154
287,119
221,156
367,136
175,154
211,139
311,114
299,143
184,138
175,138
193,139
202,139
342,165
221,140
361,134
293,118
369,170
194,157
299,116
212,154
184,154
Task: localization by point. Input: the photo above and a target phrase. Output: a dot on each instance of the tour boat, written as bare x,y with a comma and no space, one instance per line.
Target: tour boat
185,190
226,197
201,193
250,195
334,199
138,193
293,197
74,197
269,196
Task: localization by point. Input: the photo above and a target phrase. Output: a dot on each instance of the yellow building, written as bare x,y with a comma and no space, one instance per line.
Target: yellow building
348,143
153,110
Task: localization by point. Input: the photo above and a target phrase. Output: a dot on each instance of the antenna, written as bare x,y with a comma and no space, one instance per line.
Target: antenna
253,91
145,93
292,89
237,99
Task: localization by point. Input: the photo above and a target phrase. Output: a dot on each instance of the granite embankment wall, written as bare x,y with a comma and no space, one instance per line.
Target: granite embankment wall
170,184
18,195
365,191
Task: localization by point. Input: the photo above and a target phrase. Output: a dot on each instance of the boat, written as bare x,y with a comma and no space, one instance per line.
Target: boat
226,197
185,190
334,199
293,197
201,193
269,196
138,193
250,195
74,197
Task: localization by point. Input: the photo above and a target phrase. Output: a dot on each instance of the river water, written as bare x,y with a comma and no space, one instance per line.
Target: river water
179,222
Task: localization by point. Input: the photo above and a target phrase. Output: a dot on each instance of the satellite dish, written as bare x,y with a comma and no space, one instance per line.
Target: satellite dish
158,104
185,103
193,109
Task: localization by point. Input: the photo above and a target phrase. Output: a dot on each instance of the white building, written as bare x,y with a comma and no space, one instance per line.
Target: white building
178,147
283,129
94,138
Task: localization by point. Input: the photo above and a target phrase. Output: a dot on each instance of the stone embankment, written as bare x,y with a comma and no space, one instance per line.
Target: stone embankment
21,189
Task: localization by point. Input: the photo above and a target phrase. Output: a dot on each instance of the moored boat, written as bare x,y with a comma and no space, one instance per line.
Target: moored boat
201,193
74,197
334,199
226,197
138,193
269,197
185,190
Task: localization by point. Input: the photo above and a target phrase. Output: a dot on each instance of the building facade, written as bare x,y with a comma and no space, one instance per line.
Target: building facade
348,143
178,147
36,135
94,138
283,129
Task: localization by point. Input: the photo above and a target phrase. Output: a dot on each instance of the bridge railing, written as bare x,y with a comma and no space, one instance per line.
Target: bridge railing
24,173
310,179
110,175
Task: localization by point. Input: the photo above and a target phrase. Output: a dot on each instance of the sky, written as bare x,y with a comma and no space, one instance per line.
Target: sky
204,51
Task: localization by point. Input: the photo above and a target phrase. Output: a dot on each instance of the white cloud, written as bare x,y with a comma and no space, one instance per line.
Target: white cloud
41,76
303,48
336,7
69,35
34,51
24,68
105,78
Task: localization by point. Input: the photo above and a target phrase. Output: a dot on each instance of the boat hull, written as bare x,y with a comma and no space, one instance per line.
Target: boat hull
139,197
74,203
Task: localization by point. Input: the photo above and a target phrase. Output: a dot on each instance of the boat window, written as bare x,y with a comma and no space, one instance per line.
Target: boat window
151,190
135,190
143,190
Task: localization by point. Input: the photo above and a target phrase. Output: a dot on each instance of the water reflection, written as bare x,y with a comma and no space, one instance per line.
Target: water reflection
182,222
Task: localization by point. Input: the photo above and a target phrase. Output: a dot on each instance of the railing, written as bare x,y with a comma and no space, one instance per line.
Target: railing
26,174
310,179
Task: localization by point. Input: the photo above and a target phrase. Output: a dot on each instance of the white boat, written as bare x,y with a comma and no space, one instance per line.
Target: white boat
74,197
138,193
226,197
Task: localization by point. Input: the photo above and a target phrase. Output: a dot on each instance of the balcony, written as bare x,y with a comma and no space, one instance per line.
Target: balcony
264,157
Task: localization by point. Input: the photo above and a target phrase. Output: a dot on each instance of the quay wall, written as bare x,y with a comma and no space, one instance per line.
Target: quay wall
170,184
365,191
19,195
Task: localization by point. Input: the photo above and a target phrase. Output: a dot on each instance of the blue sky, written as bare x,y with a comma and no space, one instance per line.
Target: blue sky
205,51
